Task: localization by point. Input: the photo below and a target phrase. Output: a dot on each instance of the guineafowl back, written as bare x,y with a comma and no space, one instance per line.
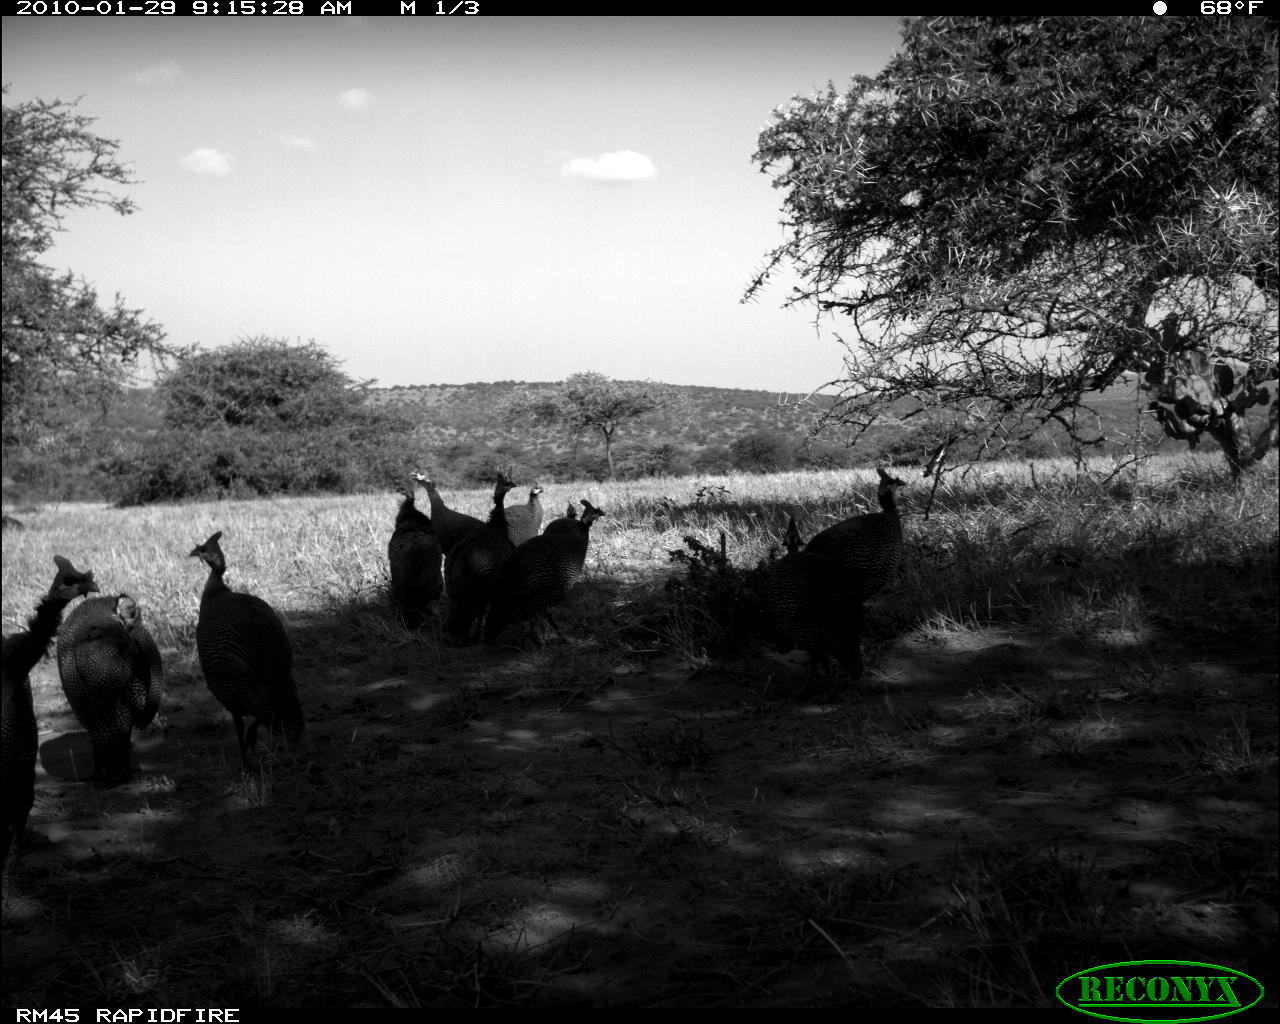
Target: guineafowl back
451,526
241,639
415,555
808,600
105,658
523,520
868,546
540,572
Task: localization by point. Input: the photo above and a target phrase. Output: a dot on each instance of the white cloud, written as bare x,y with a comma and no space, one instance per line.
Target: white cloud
211,162
299,142
165,71
624,165
355,99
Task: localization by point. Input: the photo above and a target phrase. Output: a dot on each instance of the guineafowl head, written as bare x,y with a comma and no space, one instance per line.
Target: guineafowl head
69,583
128,611
571,512
792,541
500,489
210,553
889,484
590,513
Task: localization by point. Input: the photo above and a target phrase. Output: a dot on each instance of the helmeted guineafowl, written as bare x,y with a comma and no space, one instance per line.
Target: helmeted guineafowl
246,656
112,676
523,520
869,546
450,526
472,565
415,557
567,523
807,597
18,724
539,573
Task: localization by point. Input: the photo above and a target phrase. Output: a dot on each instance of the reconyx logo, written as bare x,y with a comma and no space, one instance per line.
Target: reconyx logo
1163,990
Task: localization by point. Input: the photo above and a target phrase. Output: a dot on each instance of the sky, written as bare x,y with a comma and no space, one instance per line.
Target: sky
444,201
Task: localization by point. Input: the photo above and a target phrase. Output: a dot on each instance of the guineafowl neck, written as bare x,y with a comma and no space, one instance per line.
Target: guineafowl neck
214,584
48,615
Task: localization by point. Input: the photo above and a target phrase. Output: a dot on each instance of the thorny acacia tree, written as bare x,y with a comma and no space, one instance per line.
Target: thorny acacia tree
595,403
1017,212
62,351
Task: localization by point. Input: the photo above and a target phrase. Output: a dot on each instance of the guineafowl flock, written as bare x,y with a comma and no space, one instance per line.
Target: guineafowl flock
495,574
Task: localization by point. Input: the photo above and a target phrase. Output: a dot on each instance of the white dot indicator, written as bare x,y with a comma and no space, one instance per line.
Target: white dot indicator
1159,6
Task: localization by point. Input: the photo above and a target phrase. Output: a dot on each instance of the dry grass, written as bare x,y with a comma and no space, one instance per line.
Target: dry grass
1063,753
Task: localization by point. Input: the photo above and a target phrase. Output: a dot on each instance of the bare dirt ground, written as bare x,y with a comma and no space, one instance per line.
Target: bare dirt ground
595,822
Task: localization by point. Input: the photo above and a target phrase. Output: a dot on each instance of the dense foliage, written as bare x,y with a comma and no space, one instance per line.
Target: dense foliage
65,354
261,417
1018,212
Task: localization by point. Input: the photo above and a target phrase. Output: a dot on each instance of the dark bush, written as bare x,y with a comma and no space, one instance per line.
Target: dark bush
763,451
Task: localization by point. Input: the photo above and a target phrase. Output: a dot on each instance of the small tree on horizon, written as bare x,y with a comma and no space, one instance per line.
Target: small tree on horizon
591,402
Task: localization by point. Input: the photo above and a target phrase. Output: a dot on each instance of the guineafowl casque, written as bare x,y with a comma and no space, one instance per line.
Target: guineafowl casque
451,527
568,523
112,676
539,573
415,557
472,565
868,547
808,605
246,656
18,725
523,520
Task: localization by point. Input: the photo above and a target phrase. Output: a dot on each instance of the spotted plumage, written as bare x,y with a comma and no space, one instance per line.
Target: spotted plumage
416,558
471,567
22,651
568,523
868,547
113,677
246,656
540,572
808,603
523,520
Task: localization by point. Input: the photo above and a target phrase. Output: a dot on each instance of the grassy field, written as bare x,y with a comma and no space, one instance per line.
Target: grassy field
1063,753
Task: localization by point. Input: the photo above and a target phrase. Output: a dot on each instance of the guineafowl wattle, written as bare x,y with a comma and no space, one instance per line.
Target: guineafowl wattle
869,546
523,520
472,565
568,523
245,656
539,573
451,526
112,676
416,558
18,732
809,607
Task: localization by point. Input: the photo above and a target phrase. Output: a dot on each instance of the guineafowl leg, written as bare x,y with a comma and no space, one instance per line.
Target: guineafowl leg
241,740
111,751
